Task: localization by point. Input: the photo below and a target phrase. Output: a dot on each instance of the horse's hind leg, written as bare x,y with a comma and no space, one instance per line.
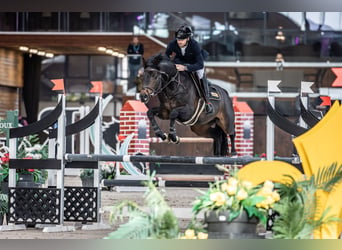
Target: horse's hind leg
158,132
232,144
224,145
220,140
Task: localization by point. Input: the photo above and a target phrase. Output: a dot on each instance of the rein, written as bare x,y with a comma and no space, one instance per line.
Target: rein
160,87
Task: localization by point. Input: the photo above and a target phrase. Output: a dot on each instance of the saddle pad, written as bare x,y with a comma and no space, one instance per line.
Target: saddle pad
214,94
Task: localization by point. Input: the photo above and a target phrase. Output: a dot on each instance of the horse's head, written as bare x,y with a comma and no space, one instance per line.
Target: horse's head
158,72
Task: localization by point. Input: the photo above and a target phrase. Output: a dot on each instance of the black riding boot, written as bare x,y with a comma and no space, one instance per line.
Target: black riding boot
208,105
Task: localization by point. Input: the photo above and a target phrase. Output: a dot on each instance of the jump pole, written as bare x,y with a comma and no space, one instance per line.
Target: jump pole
164,159
183,140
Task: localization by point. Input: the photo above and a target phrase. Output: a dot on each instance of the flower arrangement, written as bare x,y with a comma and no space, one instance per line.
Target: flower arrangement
107,171
29,148
235,196
190,234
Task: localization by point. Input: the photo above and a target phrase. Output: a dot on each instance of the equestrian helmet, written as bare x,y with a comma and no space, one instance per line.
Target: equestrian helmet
183,32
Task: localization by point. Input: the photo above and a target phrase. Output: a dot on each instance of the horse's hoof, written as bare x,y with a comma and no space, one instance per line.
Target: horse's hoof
164,137
174,139
233,155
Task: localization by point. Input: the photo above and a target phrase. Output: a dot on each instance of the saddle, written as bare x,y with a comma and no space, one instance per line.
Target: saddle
213,92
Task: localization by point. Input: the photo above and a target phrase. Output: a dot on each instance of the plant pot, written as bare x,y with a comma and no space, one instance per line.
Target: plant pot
241,227
4,187
27,180
87,182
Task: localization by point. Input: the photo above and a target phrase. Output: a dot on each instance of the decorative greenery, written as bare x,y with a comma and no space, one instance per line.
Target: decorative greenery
156,221
297,209
29,148
3,204
235,196
87,173
107,171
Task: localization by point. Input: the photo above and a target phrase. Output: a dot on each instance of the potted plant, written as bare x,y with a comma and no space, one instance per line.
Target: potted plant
3,206
87,177
297,211
107,172
29,148
233,208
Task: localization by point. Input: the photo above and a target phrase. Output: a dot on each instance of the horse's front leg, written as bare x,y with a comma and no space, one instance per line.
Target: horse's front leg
173,133
158,132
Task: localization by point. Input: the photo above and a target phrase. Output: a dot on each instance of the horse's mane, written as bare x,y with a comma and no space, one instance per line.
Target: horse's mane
154,60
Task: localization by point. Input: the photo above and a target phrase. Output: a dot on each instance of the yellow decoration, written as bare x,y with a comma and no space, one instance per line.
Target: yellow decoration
321,145
261,171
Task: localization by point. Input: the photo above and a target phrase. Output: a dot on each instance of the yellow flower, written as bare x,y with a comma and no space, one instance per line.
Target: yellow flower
189,234
241,195
202,236
269,184
265,191
232,181
275,196
224,186
247,184
262,204
231,190
269,200
218,198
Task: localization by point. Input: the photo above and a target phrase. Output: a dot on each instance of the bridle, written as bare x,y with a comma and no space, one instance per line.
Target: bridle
160,87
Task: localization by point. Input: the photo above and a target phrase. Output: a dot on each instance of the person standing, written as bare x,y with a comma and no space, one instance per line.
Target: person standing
188,56
135,51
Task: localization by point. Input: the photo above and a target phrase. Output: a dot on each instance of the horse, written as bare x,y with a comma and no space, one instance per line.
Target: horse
179,100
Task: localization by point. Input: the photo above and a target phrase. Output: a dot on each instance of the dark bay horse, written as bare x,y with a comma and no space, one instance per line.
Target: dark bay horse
180,101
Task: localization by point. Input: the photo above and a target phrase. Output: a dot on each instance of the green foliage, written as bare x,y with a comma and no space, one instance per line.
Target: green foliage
29,148
3,204
107,171
298,206
154,221
86,173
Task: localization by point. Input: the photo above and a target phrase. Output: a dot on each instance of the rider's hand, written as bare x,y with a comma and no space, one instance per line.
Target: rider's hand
181,67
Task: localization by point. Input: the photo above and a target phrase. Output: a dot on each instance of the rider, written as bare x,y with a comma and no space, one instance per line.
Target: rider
187,55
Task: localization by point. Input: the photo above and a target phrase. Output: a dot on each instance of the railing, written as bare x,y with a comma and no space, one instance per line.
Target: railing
224,43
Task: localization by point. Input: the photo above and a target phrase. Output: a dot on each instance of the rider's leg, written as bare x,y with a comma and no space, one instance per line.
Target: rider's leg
205,86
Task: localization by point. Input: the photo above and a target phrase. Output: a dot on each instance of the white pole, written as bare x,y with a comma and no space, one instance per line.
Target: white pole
305,89
272,88
97,150
60,154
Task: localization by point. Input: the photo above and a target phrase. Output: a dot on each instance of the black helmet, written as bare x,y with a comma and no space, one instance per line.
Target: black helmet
183,32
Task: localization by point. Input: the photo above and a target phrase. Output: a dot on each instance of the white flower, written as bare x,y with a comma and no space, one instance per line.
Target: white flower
37,147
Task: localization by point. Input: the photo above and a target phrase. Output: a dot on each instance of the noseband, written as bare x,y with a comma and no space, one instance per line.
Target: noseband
160,87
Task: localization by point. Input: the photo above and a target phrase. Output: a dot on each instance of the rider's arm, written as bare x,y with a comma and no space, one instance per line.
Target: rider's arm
170,48
198,62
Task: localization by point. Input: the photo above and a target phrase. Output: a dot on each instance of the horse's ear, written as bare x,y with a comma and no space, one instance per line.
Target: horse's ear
157,59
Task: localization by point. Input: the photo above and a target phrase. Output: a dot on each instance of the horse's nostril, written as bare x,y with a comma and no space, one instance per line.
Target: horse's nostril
143,97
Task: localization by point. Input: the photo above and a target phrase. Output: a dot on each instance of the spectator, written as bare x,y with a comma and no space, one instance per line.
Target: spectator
280,61
135,51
